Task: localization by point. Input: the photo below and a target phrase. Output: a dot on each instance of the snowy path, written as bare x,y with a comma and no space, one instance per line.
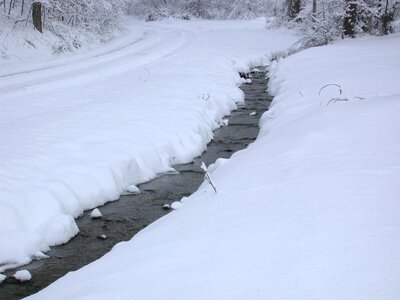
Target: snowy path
76,132
126,53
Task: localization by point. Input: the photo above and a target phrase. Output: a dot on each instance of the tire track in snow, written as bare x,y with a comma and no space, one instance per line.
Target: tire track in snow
72,59
153,46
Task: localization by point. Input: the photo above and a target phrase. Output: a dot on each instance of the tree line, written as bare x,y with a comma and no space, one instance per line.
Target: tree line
353,16
320,21
95,15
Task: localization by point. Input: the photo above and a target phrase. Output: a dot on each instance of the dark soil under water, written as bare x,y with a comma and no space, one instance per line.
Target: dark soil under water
124,218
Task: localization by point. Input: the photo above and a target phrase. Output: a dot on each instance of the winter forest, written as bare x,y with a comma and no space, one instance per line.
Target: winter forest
318,21
200,149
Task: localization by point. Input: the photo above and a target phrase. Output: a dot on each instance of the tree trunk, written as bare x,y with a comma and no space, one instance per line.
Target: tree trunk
314,14
293,8
387,17
22,7
350,18
37,16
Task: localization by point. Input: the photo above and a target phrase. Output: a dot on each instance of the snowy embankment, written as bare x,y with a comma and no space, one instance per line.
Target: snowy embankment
77,132
19,41
308,211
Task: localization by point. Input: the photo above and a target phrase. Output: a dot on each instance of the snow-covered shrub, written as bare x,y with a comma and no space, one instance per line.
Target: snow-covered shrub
71,21
248,9
216,9
94,15
377,17
320,22
156,9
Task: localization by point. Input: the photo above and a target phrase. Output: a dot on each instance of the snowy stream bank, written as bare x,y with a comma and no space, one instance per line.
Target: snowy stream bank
77,132
309,211
124,218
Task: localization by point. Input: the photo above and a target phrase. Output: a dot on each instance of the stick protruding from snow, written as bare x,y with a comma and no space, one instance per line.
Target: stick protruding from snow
208,176
331,84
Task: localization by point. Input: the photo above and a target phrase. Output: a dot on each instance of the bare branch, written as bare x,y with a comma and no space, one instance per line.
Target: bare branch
331,84
334,100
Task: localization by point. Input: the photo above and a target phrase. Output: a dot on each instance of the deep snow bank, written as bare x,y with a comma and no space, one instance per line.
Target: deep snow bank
77,132
308,211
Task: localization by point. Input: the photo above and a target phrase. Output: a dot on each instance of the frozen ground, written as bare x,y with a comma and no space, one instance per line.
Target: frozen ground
78,131
309,211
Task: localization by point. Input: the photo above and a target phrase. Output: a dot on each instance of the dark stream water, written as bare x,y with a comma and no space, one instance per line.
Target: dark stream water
124,218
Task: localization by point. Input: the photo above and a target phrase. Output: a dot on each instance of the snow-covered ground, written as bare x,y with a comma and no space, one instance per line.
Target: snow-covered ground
308,211
78,131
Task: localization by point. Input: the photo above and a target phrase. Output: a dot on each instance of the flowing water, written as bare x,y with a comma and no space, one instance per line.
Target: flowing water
122,219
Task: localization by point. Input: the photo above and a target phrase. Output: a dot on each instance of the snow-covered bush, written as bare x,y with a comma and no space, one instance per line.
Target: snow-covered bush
71,21
377,17
216,9
320,22
153,10
96,15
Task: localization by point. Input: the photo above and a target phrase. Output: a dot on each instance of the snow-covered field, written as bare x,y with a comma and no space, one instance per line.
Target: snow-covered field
77,131
309,211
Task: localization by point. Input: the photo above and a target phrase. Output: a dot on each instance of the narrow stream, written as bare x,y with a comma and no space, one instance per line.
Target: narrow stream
124,218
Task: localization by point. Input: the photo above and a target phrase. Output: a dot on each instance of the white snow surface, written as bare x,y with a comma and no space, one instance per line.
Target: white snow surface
133,189
23,275
96,213
19,42
76,132
309,211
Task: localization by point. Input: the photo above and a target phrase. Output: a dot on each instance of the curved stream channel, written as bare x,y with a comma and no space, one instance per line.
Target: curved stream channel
124,218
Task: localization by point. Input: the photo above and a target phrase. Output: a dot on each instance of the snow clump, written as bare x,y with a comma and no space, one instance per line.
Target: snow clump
133,189
176,205
23,275
96,214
